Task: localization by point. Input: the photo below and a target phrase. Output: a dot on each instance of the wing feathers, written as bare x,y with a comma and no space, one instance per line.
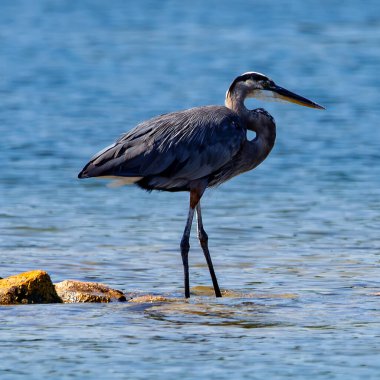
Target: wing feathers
173,149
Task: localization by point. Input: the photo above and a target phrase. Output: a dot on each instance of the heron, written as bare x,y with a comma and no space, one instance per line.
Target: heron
194,149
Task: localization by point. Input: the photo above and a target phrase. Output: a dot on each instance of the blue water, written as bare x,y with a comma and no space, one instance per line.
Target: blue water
297,239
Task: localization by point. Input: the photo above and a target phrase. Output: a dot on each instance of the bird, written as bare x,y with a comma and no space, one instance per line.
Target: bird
195,149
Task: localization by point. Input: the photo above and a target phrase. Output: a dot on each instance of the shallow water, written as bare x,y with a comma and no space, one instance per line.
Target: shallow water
295,242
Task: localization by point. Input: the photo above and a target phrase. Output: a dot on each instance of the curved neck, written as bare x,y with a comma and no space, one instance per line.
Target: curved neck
261,122
235,101
258,120
255,151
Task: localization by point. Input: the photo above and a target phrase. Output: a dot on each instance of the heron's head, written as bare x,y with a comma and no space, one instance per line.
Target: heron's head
259,86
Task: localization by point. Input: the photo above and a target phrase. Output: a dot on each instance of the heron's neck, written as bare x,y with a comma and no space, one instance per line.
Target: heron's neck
255,151
261,122
235,102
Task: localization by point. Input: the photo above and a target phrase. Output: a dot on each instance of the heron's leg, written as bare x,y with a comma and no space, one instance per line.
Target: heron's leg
185,246
203,239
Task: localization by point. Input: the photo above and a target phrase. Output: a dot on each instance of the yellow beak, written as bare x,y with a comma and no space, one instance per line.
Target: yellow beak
289,96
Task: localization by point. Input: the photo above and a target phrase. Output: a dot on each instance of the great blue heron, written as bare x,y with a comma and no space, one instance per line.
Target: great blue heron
194,149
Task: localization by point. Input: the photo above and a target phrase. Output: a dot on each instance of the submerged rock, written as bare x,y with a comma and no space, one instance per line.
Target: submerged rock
209,292
150,299
28,287
202,290
72,291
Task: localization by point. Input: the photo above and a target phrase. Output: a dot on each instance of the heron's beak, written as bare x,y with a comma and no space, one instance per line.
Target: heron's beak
289,96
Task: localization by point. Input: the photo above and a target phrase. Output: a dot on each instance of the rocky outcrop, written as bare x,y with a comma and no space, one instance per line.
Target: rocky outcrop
36,287
72,291
28,287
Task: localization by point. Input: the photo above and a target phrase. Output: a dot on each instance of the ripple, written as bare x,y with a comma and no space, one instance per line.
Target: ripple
295,242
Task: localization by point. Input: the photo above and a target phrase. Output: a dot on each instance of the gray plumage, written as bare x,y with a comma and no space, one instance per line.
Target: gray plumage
194,149
172,150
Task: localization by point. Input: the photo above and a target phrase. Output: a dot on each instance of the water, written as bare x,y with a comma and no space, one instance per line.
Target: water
296,239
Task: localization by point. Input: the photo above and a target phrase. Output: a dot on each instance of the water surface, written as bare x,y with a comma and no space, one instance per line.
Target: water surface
296,240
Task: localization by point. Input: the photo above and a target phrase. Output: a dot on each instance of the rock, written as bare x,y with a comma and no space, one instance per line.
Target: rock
28,287
149,299
202,290
72,291
209,292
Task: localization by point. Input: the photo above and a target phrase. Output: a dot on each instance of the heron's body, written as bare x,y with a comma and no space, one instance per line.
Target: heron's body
171,152
194,149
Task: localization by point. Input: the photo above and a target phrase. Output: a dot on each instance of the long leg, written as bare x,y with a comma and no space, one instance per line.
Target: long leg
185,246
203,239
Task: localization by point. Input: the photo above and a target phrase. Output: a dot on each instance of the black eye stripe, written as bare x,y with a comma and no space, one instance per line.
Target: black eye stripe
242,78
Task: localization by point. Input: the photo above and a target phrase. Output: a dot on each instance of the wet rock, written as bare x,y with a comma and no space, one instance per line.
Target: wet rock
202,290
28,287
150,299
209,292
72,291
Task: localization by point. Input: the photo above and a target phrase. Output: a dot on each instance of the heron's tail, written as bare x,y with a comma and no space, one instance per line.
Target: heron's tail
85,171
